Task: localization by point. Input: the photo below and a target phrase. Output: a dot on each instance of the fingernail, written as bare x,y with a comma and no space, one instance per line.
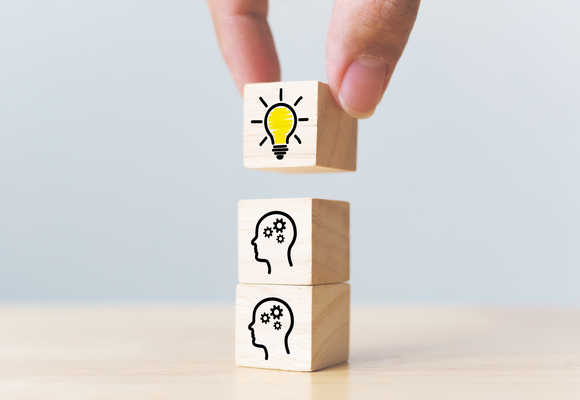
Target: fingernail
362,86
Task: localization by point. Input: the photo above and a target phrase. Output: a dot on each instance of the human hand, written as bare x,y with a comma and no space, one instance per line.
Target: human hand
365,41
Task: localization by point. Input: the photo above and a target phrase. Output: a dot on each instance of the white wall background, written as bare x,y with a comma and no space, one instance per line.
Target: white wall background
121,154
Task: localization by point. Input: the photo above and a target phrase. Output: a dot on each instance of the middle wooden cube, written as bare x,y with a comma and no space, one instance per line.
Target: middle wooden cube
293,241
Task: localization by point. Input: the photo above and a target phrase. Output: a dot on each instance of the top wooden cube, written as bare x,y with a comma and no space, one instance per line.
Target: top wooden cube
297,127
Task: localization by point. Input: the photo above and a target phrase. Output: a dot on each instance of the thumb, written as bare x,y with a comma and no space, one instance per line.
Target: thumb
365,41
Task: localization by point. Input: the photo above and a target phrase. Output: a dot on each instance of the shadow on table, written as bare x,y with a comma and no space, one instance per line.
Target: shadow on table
258,384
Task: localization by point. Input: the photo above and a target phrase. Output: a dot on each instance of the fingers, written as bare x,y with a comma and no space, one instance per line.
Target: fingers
365,41
245,40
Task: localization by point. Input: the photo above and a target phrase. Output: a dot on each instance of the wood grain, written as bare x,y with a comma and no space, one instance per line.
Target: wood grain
121,351
315,246
325,137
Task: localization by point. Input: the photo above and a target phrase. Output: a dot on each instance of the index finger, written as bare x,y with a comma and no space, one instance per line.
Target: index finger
245,40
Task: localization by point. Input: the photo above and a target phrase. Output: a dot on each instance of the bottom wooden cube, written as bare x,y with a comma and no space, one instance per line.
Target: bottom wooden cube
295,328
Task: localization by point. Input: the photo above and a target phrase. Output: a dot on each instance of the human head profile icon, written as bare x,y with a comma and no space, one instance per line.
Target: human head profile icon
273,240
272,323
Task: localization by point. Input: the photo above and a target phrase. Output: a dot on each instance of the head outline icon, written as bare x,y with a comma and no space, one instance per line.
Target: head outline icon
276,235
271,319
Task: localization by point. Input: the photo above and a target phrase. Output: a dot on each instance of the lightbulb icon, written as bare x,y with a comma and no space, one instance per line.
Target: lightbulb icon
280,124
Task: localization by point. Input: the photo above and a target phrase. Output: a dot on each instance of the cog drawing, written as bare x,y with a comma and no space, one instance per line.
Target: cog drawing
277,325
279,225
280,239
276,312
268,232
265,318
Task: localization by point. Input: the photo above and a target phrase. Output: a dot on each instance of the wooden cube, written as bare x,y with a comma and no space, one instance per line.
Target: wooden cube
296,328
297,127
293,241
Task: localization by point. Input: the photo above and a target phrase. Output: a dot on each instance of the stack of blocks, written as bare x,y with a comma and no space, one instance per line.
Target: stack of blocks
292,302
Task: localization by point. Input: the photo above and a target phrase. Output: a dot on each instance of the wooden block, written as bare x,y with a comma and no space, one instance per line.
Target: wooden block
296,328
297,127
293,241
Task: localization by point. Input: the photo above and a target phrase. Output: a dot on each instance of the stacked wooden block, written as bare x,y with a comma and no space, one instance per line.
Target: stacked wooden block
292,305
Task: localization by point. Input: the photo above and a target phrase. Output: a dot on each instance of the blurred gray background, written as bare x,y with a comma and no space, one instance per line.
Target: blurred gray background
121,154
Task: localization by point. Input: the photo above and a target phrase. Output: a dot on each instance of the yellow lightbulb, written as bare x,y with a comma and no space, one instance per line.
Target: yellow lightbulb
280,122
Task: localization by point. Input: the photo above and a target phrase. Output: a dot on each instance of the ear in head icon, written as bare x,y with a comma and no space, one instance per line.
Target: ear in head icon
274,238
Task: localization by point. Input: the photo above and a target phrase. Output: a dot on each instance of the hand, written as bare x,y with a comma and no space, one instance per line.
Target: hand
365,41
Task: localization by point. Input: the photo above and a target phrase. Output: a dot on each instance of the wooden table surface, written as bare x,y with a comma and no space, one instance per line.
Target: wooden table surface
187,352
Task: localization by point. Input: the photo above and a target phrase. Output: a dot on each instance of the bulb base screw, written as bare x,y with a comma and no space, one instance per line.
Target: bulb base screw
280,151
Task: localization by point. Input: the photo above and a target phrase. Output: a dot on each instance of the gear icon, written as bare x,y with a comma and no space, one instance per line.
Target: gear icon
280,239
268,232
265,318
279,225
277,325
276,312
